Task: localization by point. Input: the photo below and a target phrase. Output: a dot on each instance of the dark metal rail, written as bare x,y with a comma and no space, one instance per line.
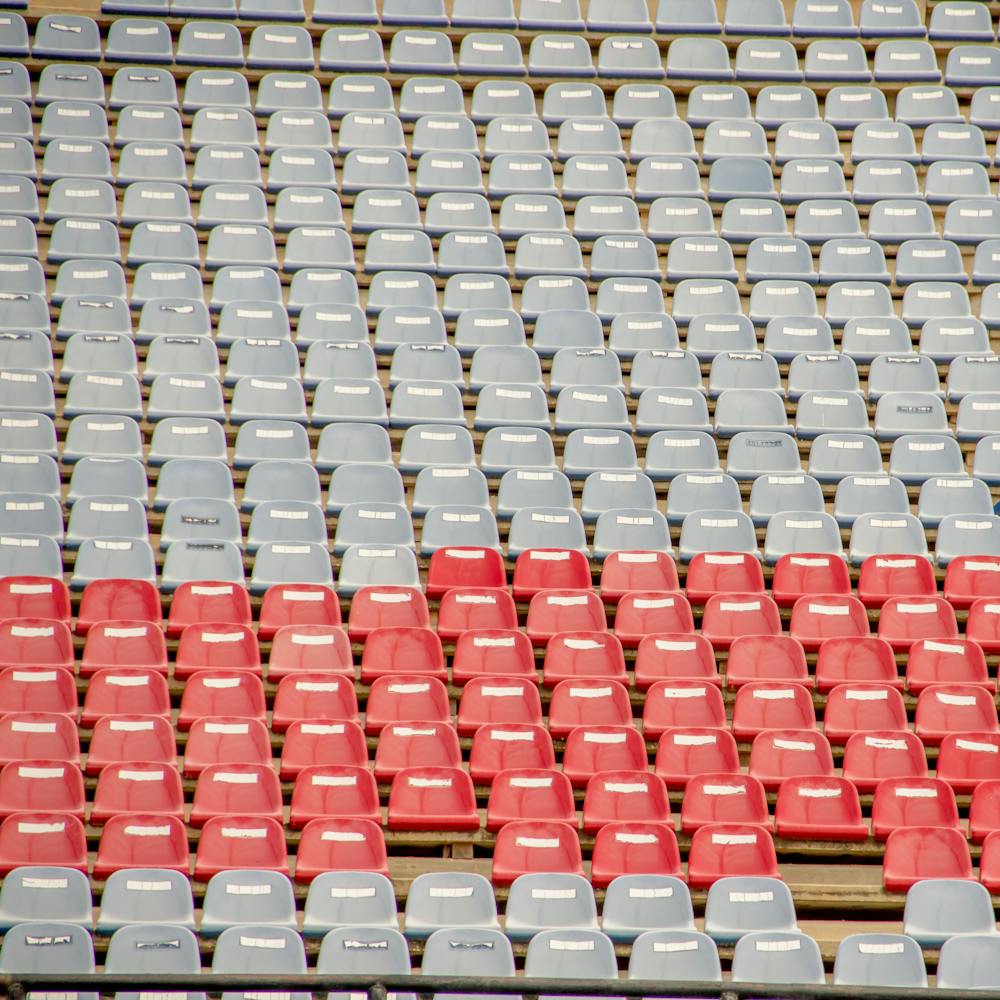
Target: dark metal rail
377,987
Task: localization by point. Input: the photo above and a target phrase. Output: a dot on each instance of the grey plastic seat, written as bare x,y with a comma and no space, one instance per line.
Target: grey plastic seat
812,20
143,85
153,948
97,516
435,445
929,260
905,59
967,535
899,413
197,519
572,100
684,954
852,259
66,36
28,433
630,56
534,905
734,138
48,946
451,524
625,529
497,98
348,899
134,897
771,495
559,55
365,168
438,133
186,437
752,453
209,43
338,400
377,565
65,120
416,402
27,390
777,957
767,59
278,397
29,350
230,286
370,130
818,220
604,491
506,448
964,22
399,250
930,300
13,35
944,497
297,207
93,434
842,61
364,950
359,92
594,450
436,487
875,180
746,219
185,396
970,66
475,328
121,477
287,91
588,136
284,47
16,84
801,531
510,364
636,904
532,488
696,58
183,478
803,179
226,903
351,50
916,457
848,300
504,404
107,393
740,177
427,362
490,53
278,481
327,359
831,411
593,174
299,562
786,337
61,81
223,203
36,555
210,88
113,558
882,140
693,491
251,245
715,531
364,523
64,158
415,51
24,513
155,202
834,372
751,409
490,13
516,135
286,521
879,960
252,949
661,137
787,104
968,961
773,298
970,373
591,406
673,184
943,340
858,495
701,296
163,243
883,533
877,20
31,473
200,559
977,416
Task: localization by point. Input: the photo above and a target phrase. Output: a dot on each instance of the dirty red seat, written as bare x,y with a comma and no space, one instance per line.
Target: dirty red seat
327,790
497,748
819,808
42,839
728,616
674,657
954,661
723,798
683,753
402,649
544,569
554,611
125,692
634,849
628,571
784,753
720,850
969,578
297,604
340,845
124,738
53,786
816,619
919,852
907,802
432,798
808,574
670,704
464,566
531,846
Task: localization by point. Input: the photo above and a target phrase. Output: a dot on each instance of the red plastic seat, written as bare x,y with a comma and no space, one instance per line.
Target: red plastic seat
432,798
723,849
489,700
872,757
956,661
906,620
529,794
229,842
675,657
808,574
328,790
531,846
867,660
543,569
38,736
643,612
310,649
139,840
236,790
378,607
784,753
35,642
125,738
983,623
554,611
465,608
670,704
310,743
906,802
811,808
887,576
625,572
321,697
589,701
210,693
816,619
984,811
125,692
634,849
42,839
154,789
397,650
764,705
124,643
966,759
954,708
34,597
624,796
711,573
989,863
497,748
728,616
920,852
297,604
38,690
723,798
464,566
683,753
109,600
340,845
493,653
863,708
225,740
416,744
216,647
969,578
766,658
41,786
570,655
200,602
590,749
406,697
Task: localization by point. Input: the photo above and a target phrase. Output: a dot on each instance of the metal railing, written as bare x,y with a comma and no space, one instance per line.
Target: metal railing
16,987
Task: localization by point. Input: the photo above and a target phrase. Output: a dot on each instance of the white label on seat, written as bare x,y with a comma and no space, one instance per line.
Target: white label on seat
783,694
796,745
244,833
832,611
126,680
604,738
537,842
247,890
681,693
916,609
227,728
147,831
505,736
141,775
130,725
873,948
234,778
323,729
626,787
668,947
806,792
483,641
503,692
751,897
856,694
603,692
734,839
254,942
963,700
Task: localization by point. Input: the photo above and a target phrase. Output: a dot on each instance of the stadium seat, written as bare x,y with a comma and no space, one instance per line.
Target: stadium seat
684,752
524,847
723,798
675,703
906,802
340,845
782,753
721,850
852,708
529,794
921,852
